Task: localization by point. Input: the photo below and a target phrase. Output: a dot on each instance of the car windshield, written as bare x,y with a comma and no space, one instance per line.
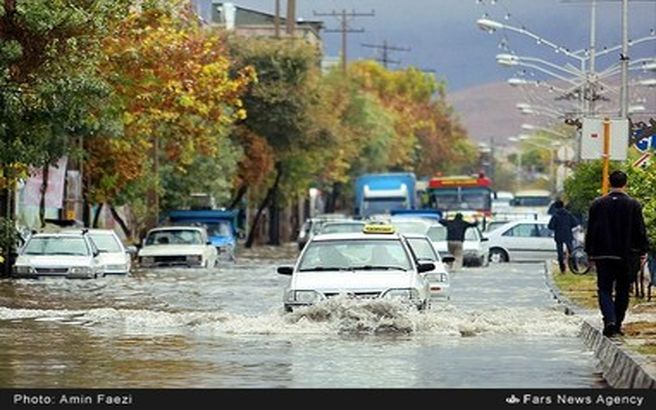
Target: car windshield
106,242
221,228
341,228
423,249
175,237
57,245
372,206
437,233
355,255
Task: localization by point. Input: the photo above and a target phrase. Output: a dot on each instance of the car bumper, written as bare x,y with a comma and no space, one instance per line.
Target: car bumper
54,275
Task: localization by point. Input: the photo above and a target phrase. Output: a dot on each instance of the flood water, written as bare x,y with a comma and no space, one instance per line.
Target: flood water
226,328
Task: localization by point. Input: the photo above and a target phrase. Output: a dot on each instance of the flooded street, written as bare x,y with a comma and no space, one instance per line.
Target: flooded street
226,329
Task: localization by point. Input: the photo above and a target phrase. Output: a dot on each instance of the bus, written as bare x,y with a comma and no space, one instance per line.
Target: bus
469,193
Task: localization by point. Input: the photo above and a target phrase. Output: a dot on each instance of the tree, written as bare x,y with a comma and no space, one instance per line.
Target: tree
50,93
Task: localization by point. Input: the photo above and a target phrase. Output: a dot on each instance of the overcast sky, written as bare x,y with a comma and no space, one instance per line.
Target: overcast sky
443,35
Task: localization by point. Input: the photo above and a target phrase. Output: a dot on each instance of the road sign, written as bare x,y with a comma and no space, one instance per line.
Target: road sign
643,160
646,143
592,139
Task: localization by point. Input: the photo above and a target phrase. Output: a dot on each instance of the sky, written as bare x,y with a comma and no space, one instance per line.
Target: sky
443,35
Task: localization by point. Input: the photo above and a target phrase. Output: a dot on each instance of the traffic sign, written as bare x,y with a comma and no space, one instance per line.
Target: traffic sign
642,161
592,139
647,143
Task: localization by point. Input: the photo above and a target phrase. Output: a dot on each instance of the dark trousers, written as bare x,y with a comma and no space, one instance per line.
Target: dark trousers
561,252
613,273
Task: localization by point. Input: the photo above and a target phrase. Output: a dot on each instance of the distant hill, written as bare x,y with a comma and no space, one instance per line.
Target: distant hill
489,110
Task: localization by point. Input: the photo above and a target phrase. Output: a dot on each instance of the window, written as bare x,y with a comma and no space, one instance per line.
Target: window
423,249
57,245
523,231
106,242
354,255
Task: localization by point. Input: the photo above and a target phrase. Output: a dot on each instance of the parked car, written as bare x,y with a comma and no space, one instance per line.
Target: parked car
522,240
186,246
375,263
69,254
438,279
475,249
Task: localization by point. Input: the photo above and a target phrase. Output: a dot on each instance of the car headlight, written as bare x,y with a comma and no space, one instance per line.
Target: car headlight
80,270
22,269
194,258
303,296
403,294
438,277
147,260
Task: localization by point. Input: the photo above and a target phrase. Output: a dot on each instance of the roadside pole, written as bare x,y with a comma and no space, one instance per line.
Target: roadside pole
606,157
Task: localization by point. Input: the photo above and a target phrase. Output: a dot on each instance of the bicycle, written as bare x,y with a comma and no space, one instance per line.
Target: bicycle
577,260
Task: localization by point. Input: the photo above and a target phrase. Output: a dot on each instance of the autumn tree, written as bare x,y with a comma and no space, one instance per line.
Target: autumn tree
177,96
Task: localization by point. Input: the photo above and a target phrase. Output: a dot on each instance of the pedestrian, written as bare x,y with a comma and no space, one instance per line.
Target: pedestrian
616,242
455,236
562,222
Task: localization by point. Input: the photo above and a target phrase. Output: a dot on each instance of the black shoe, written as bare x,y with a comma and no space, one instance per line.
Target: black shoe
609,330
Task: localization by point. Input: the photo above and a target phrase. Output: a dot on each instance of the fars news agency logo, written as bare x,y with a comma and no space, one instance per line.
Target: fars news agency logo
512,399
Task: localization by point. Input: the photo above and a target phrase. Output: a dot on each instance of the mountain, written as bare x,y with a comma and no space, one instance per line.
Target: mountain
489,110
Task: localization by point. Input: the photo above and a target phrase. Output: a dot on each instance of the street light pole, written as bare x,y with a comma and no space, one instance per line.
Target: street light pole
624,94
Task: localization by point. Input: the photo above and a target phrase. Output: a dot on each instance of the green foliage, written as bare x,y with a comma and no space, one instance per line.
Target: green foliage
583,186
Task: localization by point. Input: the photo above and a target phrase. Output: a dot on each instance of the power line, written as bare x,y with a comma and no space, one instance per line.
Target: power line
385,49
344,29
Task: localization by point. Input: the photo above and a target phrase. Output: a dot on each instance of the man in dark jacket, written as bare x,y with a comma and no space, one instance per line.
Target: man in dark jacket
455,236
561,223
616,241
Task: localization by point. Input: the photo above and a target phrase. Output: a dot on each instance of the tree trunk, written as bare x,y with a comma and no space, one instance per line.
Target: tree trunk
121,222
238,196
260,209
96,215
44,189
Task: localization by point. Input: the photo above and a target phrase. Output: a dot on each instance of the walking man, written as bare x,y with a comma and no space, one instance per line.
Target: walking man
455,236
616,242
562,222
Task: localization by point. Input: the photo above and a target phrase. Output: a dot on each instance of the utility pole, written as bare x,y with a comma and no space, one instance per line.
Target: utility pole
385,49
344,29
291,17
276,19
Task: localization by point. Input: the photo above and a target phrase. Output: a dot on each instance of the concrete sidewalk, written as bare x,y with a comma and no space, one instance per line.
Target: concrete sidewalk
628,361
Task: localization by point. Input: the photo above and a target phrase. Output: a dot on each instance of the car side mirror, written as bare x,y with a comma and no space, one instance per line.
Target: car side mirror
131,250
484,239
285,270
448,259
96,252
208,243
425,267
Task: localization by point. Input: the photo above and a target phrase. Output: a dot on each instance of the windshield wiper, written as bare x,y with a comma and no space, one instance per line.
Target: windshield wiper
324,268
379,267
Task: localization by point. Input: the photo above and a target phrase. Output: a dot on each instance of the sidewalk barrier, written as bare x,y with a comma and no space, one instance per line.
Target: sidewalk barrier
621,368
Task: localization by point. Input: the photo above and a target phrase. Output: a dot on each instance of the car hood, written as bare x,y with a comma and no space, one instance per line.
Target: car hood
53,260
171,250
353,281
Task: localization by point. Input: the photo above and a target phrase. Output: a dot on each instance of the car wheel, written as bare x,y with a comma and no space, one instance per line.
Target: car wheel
498,255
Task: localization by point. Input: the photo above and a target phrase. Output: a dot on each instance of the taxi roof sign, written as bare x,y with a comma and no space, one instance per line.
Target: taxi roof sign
378,228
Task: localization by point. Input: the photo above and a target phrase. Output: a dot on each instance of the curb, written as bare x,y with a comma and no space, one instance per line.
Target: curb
620,367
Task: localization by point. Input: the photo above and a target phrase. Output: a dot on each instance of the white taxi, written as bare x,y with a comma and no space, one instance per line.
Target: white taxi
374,263
184,246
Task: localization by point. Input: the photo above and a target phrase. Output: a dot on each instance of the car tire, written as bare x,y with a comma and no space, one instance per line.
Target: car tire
498,255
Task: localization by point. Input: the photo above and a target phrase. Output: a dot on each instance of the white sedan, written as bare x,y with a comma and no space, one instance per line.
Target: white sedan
376,263
71,255
116,259
187,246
475,249
438,279
522,240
